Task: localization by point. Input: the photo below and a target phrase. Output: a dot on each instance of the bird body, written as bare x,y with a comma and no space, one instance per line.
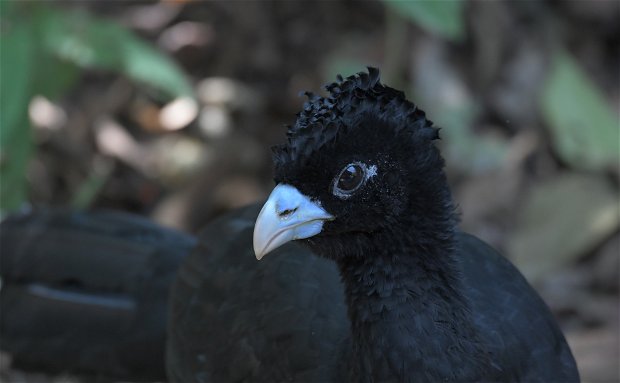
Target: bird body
425,302
285,320
87,291
500,330
367,277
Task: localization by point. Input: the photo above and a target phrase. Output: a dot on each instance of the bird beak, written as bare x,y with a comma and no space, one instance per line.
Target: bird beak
287,215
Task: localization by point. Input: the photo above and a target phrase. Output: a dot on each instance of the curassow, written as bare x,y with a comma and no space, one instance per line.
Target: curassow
383,288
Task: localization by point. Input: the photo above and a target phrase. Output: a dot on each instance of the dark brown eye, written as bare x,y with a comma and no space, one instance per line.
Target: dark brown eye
349,180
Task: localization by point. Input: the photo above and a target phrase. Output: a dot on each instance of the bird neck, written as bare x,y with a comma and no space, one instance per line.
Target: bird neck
407,312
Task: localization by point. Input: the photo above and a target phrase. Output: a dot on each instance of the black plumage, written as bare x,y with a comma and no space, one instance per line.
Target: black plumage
396,292
87,291
425,302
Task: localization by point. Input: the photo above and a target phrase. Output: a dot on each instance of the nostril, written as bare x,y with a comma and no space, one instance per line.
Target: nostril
285,213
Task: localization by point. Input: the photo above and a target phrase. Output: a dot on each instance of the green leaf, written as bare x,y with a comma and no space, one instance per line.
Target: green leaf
56,77
89,188
464,149
471,152
442,17
341,65
98,44
584,129
17,44
7,10
562,219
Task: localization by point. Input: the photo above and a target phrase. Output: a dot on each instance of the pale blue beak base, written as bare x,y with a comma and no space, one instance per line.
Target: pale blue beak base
286,216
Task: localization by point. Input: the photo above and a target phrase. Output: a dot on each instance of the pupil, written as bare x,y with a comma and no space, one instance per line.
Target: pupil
350,178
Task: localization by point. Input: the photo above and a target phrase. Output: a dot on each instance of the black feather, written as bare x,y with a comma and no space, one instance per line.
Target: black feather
389,290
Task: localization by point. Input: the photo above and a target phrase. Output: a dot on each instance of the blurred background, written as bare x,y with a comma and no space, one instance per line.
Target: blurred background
168,108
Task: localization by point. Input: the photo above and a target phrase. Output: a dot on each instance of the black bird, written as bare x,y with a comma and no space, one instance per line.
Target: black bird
384,286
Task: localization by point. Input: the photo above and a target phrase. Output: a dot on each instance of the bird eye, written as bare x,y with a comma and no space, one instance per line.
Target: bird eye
349,180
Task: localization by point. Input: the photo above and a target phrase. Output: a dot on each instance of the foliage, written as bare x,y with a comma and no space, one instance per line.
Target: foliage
42,50
585,131
341,65
16,76
563,218
92,43
444,17
472,153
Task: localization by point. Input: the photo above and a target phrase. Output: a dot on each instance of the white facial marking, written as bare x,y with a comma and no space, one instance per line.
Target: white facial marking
371,171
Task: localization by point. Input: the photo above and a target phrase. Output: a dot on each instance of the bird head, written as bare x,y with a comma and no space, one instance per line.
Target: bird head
358,168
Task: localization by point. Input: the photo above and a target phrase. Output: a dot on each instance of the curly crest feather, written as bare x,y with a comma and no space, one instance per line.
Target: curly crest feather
323,119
